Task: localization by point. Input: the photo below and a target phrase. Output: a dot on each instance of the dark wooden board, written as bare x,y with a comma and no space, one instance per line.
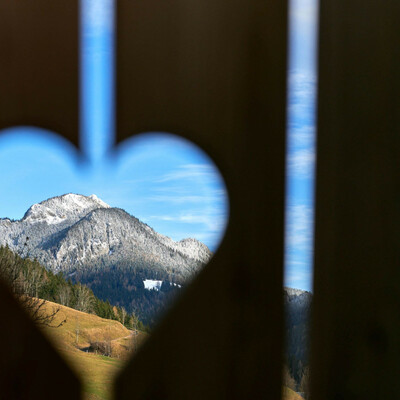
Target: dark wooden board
355,343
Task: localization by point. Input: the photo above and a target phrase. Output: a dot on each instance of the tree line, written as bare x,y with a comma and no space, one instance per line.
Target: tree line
296,374
122,284
33,285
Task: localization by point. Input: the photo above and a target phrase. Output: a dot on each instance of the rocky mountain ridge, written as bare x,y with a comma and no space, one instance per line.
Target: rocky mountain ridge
70,232
298,305
297,297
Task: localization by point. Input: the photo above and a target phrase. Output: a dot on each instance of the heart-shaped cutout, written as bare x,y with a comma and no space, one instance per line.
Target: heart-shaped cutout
165,181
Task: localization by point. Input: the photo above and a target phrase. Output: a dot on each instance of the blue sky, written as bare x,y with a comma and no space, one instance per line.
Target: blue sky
163,180
301,144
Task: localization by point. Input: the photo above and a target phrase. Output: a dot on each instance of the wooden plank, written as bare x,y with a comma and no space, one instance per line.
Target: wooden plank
356,326
215,72
39,68
38,87
29,366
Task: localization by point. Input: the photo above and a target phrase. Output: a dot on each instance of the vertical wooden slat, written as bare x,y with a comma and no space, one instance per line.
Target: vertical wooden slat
356,329
214,71
29,367
38,86
39,68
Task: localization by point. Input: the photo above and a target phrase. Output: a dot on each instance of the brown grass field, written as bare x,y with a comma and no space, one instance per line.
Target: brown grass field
289,394
73,338
96,371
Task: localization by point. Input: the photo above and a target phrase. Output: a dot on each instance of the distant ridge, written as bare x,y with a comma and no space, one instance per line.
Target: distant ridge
69,232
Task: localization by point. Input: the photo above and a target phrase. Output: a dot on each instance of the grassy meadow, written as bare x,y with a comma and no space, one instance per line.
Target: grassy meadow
81,330
74,338
289,394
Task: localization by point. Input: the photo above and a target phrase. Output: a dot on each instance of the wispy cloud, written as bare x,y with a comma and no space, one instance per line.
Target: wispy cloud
301,163
213,222
301,142
301,125
301,135
302,82
98,15
185,195
208,228
298,279
299,246
190,171
179,199
299,228
303,33
302,96
304,12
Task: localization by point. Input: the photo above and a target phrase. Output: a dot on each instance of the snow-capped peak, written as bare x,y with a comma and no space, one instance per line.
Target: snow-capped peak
73,230
99,201
295,292
194,249
58,209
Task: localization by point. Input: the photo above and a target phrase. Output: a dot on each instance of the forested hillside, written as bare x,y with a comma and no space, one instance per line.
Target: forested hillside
33,284
118,293
123,284
297,319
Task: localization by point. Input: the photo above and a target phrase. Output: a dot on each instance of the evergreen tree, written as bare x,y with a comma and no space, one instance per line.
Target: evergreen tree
33,285
288,379
305,383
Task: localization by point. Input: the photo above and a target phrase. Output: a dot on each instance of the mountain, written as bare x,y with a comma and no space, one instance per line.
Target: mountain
74,232
297,312
123,260
298,304
120,258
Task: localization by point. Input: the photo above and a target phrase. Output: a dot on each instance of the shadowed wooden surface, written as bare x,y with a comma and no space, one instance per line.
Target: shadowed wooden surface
214,71
355,343
29,366
39,65
38,87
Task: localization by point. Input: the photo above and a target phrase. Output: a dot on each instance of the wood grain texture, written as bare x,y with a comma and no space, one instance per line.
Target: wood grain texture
356,331
39,68
30,368
215,72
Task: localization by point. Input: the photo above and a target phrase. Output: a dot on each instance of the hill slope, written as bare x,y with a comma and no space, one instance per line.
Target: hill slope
297,309
97,371
107,249
289,394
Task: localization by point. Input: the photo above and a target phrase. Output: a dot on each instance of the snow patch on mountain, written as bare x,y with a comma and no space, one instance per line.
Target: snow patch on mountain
151,284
